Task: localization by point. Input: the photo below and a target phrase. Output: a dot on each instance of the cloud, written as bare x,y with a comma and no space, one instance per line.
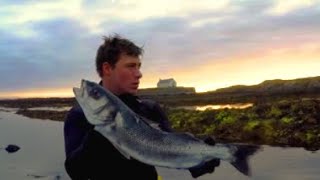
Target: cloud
91,13
144,9
282,7
172,41
62,49
55,45
20,2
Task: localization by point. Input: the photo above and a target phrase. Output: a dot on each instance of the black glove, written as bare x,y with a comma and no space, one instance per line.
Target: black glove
207,167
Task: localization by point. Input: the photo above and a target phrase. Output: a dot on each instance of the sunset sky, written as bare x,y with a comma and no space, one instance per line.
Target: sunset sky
48,46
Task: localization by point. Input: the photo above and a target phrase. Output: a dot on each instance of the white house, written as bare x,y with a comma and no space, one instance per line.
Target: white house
165,83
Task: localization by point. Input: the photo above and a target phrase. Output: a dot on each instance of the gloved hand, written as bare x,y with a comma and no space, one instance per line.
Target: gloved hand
207,167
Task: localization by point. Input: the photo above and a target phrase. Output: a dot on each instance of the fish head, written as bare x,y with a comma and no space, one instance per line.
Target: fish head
95,102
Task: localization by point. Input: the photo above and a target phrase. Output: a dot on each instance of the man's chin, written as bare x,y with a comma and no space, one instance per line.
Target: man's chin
133,91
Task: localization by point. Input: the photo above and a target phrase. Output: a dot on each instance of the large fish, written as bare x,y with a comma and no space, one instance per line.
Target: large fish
132,135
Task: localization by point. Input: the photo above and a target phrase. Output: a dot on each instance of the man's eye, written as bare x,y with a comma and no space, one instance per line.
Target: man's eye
131,65
134,65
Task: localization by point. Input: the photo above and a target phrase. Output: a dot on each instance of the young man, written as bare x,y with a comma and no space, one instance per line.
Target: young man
91,156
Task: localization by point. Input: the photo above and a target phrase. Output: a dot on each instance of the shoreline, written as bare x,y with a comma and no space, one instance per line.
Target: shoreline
229,134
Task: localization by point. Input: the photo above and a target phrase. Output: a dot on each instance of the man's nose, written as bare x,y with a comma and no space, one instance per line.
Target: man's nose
138,74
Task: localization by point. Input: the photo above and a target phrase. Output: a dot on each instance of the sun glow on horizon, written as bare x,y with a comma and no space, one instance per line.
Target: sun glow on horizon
48,93
250,69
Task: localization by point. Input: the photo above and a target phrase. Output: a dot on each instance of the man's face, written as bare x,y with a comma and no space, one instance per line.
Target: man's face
125,76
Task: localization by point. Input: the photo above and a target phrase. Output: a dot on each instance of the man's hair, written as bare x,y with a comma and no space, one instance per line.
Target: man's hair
111,50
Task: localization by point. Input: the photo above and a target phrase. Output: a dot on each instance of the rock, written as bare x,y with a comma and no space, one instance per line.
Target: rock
312,120
11,148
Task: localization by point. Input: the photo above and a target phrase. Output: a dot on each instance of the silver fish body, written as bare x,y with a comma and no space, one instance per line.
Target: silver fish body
135,138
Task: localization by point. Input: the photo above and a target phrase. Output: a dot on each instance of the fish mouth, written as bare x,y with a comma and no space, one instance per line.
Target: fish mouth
83,83
79,92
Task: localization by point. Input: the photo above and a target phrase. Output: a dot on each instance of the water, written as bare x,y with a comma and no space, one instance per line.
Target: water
41,156
271,163
66,108
42,151
218,106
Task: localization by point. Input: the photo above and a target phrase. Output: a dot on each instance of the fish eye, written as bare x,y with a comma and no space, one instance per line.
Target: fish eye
94,93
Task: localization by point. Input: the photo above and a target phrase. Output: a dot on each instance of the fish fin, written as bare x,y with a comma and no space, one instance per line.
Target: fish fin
122,152
148,122
241,158
189,134
210,140
186,136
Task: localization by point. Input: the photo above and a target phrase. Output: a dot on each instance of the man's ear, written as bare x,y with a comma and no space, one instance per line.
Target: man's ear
106,68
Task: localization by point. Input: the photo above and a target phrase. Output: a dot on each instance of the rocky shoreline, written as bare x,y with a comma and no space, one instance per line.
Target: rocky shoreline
43,114
281,123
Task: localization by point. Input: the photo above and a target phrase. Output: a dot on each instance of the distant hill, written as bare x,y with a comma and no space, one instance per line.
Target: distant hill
269,90
166,91
275,87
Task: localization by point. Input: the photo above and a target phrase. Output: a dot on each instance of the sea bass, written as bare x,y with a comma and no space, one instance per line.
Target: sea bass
132,135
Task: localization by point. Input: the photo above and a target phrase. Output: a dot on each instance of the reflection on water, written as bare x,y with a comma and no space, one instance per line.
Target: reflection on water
66,108
5,109
219,106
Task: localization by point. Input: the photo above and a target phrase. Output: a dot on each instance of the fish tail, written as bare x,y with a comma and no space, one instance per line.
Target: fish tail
241,156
